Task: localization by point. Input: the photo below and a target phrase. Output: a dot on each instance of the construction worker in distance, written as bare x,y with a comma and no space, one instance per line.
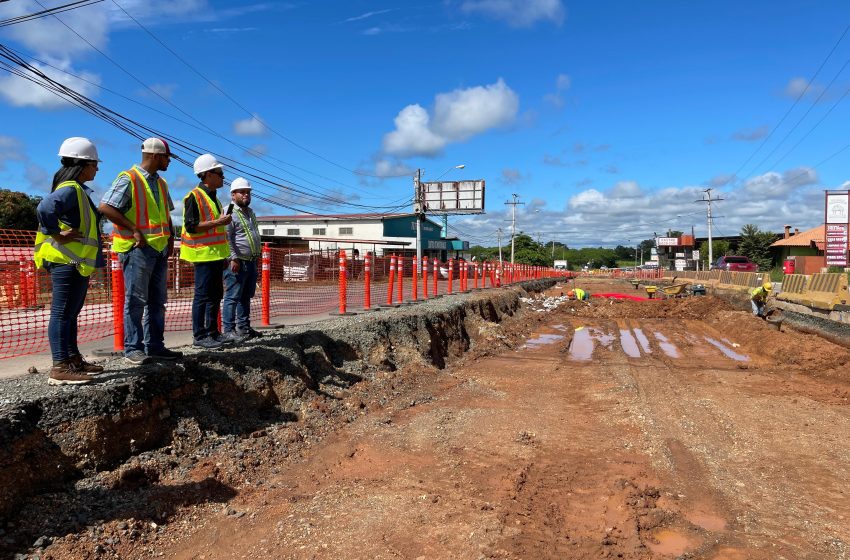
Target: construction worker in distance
203,243
68,245
578,294
139,205
240,274
759,296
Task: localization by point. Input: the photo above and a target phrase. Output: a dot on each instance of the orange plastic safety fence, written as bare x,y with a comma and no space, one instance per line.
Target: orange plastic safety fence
301,283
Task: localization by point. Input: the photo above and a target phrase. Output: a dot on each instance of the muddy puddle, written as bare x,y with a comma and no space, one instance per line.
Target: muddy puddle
543,339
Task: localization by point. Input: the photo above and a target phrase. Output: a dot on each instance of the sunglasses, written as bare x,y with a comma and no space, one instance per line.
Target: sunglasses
218,172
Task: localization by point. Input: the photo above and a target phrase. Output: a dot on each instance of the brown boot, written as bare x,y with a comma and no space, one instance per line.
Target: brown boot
83,366
64,373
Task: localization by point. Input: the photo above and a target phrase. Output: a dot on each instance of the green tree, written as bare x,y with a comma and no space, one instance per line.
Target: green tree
17,210
720,247
755,244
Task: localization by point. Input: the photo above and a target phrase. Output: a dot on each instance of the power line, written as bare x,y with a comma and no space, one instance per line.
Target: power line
241,106
19,67
162,97
48,11
801,119
796,101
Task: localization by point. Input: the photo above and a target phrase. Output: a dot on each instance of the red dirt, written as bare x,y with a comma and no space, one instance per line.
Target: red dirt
525,452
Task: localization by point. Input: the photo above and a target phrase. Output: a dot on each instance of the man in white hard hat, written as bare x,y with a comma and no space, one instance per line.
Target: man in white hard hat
240,275
139,205
203,242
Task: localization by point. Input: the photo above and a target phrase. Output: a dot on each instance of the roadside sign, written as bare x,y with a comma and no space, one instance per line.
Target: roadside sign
837,225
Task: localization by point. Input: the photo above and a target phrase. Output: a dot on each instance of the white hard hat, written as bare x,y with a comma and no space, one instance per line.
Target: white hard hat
240,183
206,162
78,148
155,146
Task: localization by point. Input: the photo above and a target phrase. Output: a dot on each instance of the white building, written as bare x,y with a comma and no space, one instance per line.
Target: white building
376,233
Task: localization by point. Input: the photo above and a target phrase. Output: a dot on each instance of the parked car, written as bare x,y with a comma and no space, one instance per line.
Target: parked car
735,263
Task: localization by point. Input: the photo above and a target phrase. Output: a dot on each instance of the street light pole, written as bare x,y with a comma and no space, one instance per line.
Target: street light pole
419,211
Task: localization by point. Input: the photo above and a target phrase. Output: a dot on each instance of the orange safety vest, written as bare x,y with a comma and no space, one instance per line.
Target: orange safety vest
210,245
152,219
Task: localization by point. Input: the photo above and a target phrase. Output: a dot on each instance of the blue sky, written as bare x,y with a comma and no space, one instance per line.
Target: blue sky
606,118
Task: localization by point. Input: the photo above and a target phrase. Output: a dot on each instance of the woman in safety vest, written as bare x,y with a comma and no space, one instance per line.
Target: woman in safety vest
68,245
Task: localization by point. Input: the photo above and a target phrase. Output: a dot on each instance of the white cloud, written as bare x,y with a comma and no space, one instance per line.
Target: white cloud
562,84
800,86
392,168
751,134
773,185
413,135
257,150
11,149
518,13
458,116
250,127
49,37
513,176
368,15
23,93
461,114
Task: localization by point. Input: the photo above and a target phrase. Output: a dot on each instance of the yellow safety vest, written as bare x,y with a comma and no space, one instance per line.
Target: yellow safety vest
210,245
152,219
759,294
580,293
81,252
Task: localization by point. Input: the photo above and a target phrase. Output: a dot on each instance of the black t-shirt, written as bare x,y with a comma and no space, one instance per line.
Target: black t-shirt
191,212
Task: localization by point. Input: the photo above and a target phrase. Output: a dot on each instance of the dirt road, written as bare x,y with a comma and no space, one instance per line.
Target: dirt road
679,429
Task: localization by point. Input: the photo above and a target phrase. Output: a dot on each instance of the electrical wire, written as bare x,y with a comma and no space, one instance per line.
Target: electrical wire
48,11
245,109
166,100
796,101
19,67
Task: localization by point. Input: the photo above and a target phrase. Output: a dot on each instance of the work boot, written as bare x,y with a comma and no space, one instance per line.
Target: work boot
208,343
251,332
234,337
81,365
64,373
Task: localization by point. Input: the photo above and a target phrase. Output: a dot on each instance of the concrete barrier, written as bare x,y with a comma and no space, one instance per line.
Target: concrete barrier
794,285
822,291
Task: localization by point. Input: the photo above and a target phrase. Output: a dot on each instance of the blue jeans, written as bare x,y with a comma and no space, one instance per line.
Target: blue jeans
145,293
239,288
207,301
69,295
758,307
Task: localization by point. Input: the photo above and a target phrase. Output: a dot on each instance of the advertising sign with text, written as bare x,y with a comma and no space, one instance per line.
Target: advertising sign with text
837,218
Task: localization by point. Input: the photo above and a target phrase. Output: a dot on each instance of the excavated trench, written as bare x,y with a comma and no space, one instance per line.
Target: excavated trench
54,440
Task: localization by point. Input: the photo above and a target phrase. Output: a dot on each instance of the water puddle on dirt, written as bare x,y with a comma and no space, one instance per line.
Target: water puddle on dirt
629,344
669,542
668,347
644,342
559,327
581,346
728,352
605,339
543,339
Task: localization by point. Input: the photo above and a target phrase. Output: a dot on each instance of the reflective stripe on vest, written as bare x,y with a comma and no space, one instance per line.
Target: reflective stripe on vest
210,245
81,252
151,218
250,228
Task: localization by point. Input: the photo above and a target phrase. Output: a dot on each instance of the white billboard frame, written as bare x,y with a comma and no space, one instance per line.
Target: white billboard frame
453,197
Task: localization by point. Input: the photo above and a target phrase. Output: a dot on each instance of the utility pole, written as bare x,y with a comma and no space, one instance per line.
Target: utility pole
513,204
419,210
499,235
709,200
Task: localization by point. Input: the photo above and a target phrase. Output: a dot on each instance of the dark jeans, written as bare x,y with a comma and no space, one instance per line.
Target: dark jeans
69,295
239,289
145,293
207,301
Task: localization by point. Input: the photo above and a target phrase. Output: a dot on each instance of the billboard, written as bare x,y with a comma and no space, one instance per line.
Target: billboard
836,227
667,241
453,197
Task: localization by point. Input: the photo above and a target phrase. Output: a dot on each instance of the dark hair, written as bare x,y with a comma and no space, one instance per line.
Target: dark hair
70,170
